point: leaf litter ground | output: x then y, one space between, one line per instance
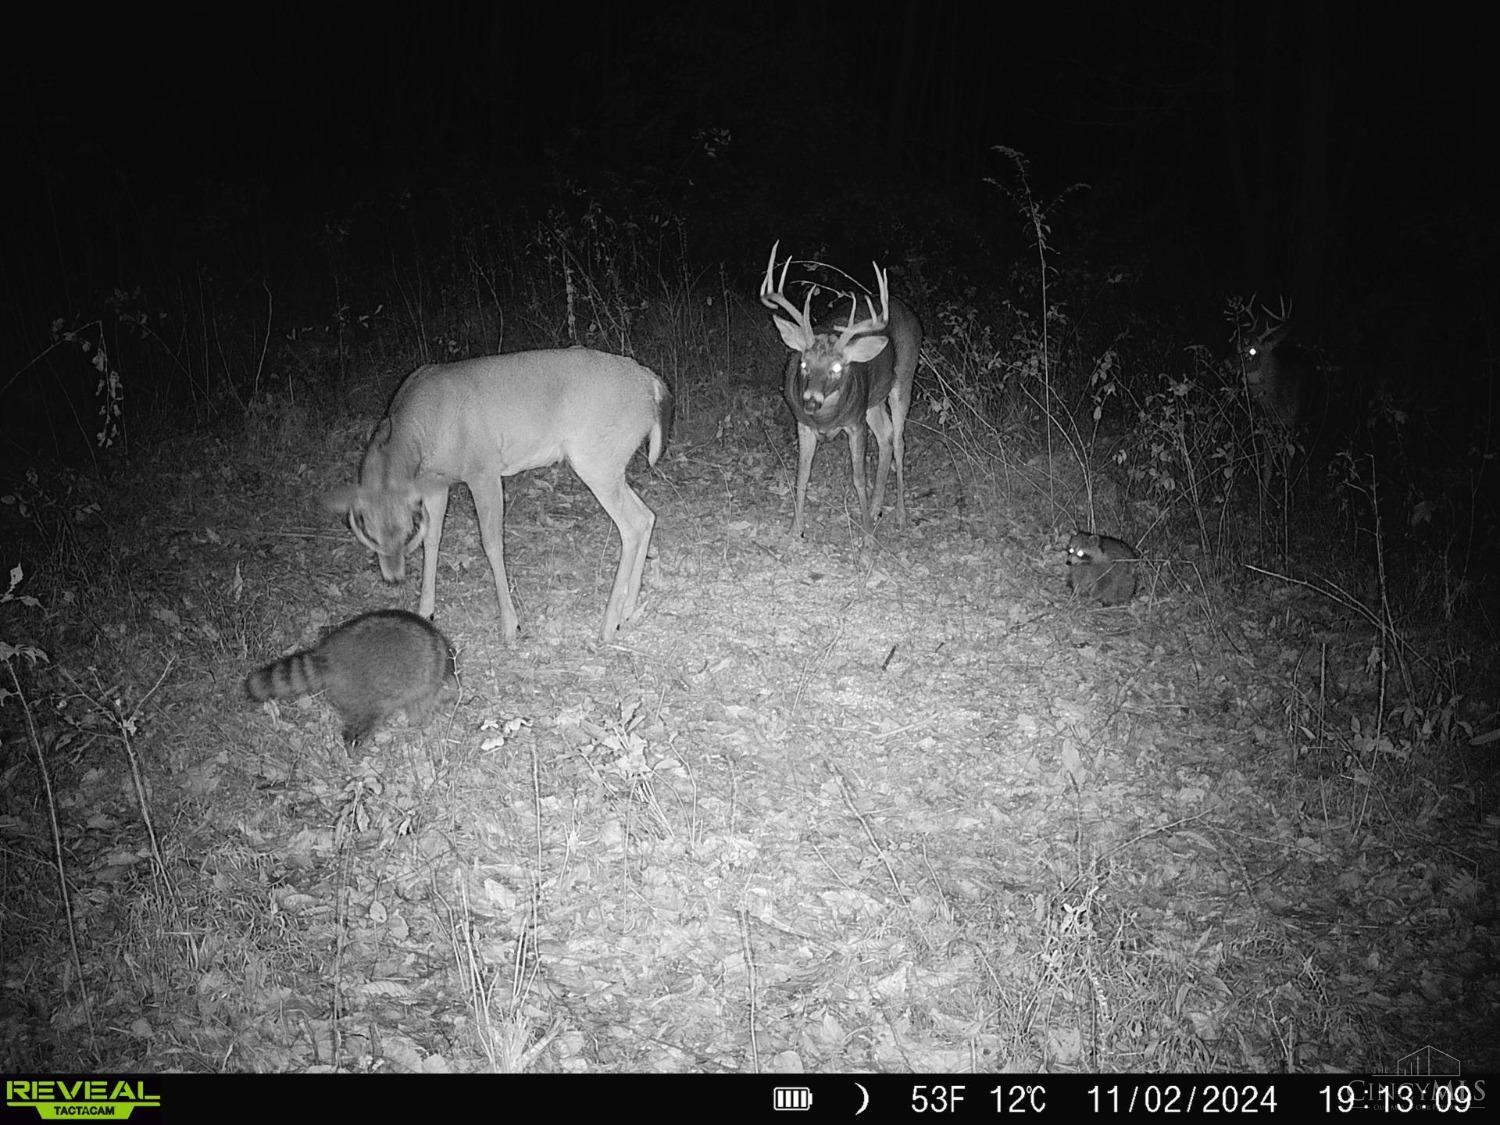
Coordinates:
817 810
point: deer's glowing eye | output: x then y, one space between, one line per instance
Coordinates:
837 367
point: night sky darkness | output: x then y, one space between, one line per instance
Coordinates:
1339 155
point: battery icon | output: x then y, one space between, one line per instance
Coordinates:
791 1097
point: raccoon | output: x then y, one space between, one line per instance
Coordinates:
367 668
1100 567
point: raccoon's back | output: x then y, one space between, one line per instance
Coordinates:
367 668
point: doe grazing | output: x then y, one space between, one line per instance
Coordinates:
480 420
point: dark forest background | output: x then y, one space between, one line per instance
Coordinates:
200 200
1333 154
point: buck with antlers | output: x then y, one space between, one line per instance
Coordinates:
1284 385
843 378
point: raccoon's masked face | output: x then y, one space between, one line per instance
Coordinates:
391 524
1082 548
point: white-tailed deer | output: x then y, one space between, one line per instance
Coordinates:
844 378
1282 382
482 420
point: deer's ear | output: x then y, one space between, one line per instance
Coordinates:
792 335
865 348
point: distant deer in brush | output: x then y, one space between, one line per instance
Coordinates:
1283 384
842 378
481 420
